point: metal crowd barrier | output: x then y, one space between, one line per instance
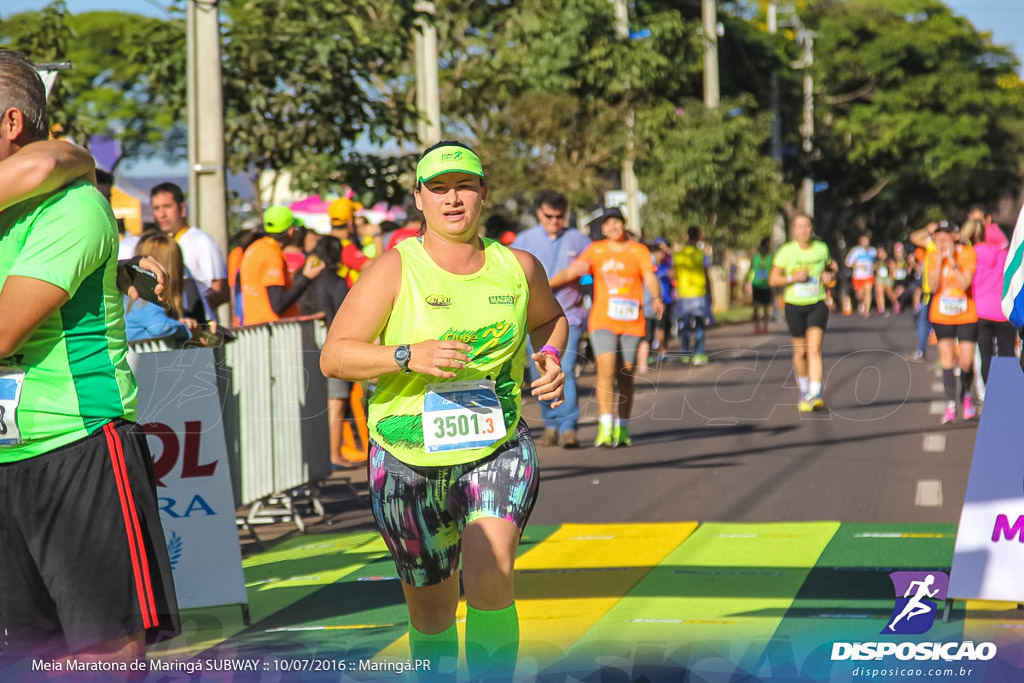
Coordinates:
274 402
152 345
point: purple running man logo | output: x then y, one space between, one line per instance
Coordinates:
917 598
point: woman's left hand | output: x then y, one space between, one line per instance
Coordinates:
551 382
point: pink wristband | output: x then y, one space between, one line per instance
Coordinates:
551 351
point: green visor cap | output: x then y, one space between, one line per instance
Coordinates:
448 159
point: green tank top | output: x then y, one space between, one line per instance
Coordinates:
486 310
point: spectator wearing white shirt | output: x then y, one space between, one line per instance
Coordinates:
203 257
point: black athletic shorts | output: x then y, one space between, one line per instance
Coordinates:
761 296
83 557
666 322
651 329
799 318
967 332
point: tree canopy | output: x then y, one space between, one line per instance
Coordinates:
108 89
917 114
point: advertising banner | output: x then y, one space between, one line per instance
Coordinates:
180 410
990 540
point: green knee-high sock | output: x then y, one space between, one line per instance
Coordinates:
441 650
492 643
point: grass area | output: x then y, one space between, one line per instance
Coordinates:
736 314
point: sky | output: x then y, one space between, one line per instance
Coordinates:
1003 18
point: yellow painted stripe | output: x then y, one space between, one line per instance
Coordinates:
729 584
606 545
570 580
991 621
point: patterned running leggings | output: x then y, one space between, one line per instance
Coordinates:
421 511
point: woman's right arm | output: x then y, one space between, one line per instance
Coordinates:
351 351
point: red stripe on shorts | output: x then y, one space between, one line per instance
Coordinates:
136 548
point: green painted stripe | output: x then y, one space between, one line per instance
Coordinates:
720 595
1012 269
392 640
285 587
849 597
572 580
325 595
891 545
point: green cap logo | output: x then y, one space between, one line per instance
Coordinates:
448 159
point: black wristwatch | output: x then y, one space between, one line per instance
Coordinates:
402 356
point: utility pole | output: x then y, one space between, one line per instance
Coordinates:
629 182
712 93
779 226
807 128
805 39
428 100
207 187
773 29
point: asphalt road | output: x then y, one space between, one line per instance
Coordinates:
725 442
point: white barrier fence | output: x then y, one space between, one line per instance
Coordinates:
273 402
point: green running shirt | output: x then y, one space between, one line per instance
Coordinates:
75 364
791 258
760 269
486 310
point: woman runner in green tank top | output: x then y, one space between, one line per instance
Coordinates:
804 268
451 468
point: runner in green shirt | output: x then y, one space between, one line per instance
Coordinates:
84 566
758 288
804 267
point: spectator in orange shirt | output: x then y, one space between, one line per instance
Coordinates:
268 291
242 239
953 314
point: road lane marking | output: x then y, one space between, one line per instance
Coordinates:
938 387
934 443
937 407
929 493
